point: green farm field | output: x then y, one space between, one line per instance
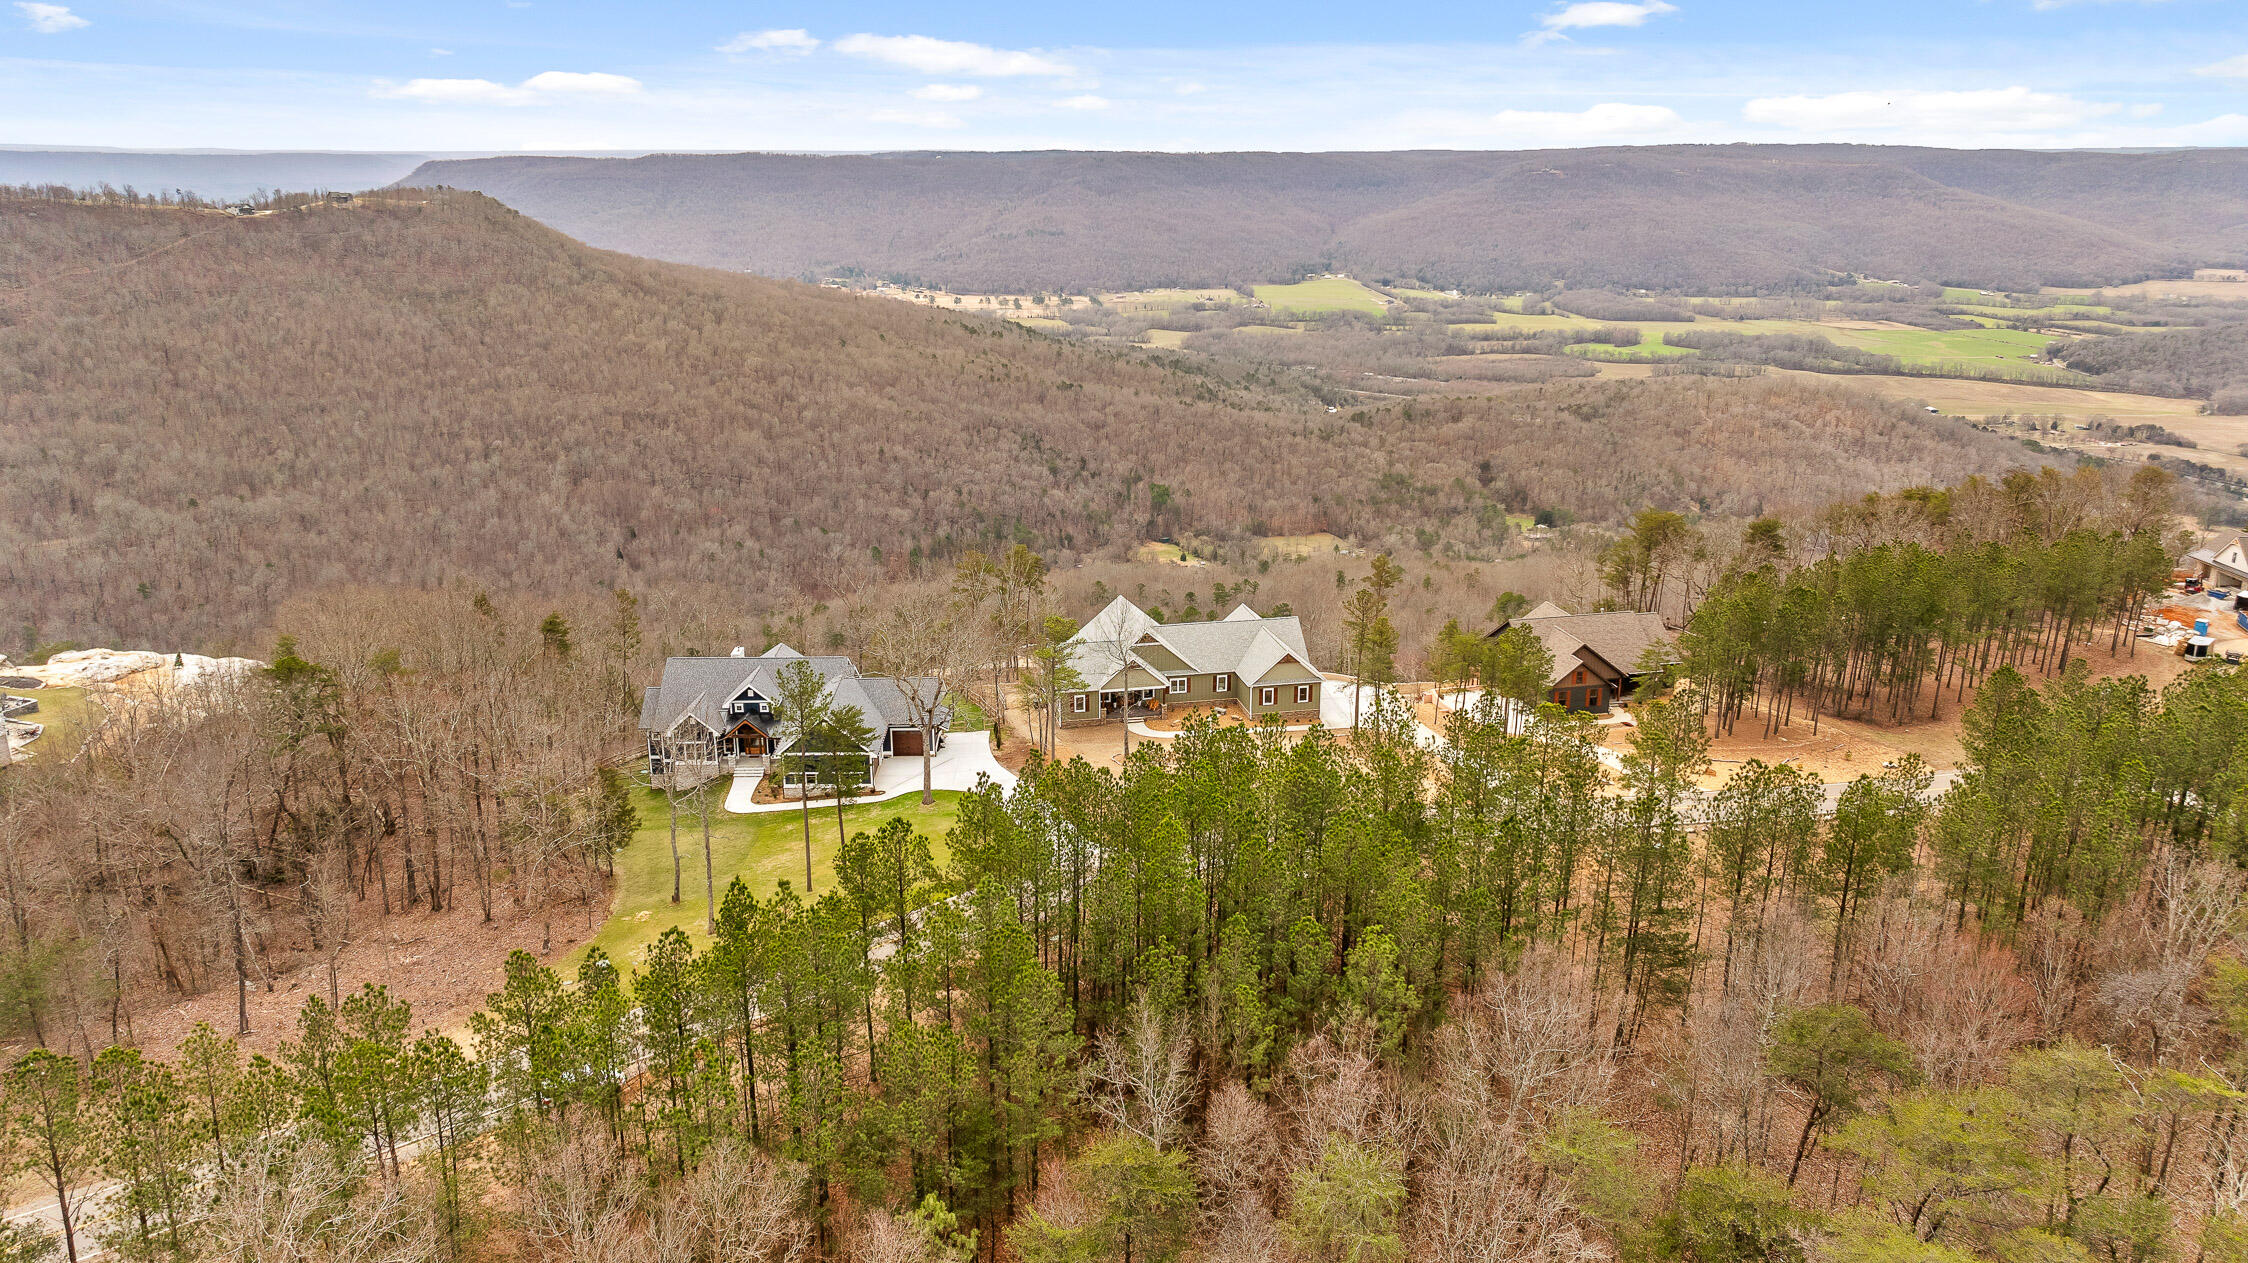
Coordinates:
1326 293
764 850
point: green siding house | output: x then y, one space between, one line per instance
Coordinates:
1133 666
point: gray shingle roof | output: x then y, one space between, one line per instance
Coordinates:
1239 644
1619 637
701 687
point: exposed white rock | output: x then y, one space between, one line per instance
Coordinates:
79 667
194 668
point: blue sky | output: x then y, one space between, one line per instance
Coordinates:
1156 74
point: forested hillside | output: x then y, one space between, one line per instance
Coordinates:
1691 218
2209 363
1247 995
203 416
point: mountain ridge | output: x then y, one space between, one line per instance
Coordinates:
1729 218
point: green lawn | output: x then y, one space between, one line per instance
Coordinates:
69 715
966 715
1327 293
764 850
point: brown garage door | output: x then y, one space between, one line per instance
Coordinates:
906 741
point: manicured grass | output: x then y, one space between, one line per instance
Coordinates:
1326 293
69 717
764 850
966 715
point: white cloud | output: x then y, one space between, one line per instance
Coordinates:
1190 88
49 19
547 86
917 118
796 41
1609 120
1978 111
948 92
440 52
587 84
2229 68
2145 109
933 56
1086 102
1595 13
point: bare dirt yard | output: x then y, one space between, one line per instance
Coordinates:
1841 749
442 964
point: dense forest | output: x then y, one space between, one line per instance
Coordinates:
1249 996
204 416
1691 219
2208 363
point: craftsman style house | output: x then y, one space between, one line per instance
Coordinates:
1596 657
716 715
2220 565
1131 665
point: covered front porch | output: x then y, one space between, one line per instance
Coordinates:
1138 703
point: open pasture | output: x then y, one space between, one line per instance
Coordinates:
1322 293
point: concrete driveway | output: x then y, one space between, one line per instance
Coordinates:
966 757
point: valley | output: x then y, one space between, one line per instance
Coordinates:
1611 705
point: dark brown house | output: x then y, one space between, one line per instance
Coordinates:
1596 657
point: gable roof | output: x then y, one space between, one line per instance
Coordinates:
2214 556
885 702
1241 643
699 688
1619 638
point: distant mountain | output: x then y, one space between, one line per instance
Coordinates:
203 417
1687 218
212 176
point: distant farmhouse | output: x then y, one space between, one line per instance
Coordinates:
711 716
1133 666
1596 657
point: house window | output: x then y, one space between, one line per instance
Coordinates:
1265 696
1077 703
1224 683
1179 683
1303 695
